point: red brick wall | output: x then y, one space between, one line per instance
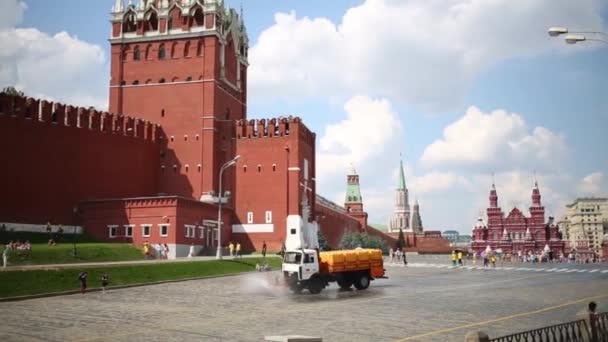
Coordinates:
50 167
334 224
264 181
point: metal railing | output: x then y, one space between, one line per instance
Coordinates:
576 331
599 327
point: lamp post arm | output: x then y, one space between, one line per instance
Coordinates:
598 40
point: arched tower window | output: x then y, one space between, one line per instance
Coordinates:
125 53
187 49
173 47
129 24
198 18
199 48
136 54
161 52
148 50
152 22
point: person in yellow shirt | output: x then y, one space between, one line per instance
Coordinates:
231 248
146 250
459 258
238 249
453 258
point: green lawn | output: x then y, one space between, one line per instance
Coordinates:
42 254
20 283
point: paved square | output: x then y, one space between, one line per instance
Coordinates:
426 301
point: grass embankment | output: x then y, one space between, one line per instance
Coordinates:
87 250
21 283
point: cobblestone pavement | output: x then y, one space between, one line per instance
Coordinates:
416 303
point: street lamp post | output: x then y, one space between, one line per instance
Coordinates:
219 207
573 37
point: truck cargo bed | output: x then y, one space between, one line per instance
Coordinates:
352 260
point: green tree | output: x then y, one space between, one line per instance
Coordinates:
323 245
354 240
401 240
12 91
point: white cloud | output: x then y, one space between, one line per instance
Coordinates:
495 140
437 182
422 52
11 13
59 67
592 185
370 125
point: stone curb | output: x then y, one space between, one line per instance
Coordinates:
118 287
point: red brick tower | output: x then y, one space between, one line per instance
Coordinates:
182 64
276 168
354 201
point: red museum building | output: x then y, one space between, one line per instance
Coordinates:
516 232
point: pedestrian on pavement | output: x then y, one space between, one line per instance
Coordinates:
159 250
105 280
82 278
146 250
454 258
191 251
264 249
459 258
404 259
5 254
238 250
166 250
493 260
485 260
391 255
49 228
231 248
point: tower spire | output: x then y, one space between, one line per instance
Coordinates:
402 185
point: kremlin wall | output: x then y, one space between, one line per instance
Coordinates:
150 170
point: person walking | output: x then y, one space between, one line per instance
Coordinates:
404 258
493 260
485 260
391 255
191 251
459 254
82 278
264 249
105 280
231 248
5 254
166 250
238 250
454 258
146 250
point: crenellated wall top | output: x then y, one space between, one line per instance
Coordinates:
61 115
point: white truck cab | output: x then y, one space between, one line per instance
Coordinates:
299 266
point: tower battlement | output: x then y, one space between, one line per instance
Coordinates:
55 113
269 128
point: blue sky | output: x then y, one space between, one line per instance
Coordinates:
462 88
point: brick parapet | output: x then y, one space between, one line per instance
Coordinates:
55 113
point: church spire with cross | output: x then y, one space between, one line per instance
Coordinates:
401 215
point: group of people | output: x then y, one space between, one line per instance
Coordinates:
397 255
158 250
54 238
235 250
82 279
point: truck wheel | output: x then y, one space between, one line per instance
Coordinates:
362 282
315 286
345 284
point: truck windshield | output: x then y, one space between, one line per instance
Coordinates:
293 258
